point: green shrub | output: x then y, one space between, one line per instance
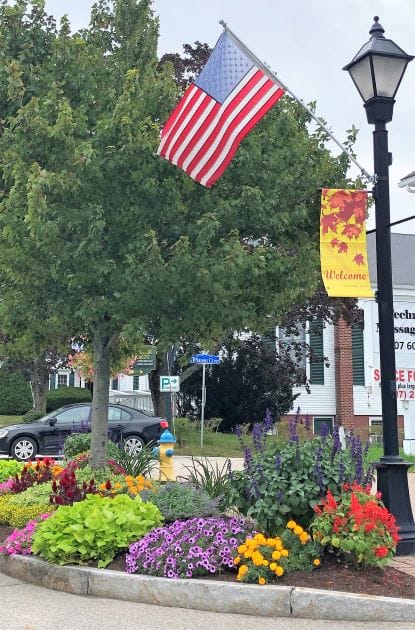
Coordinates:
15 394
32 416
284 483
81 442
56 398
181 500
9 468
94 530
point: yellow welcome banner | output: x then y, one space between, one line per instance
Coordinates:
343 252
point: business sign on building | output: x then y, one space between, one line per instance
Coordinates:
404 333
404 330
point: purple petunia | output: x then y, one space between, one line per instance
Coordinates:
216 538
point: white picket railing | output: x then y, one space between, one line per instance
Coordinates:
139 400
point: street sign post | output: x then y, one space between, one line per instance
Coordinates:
169 384
204 360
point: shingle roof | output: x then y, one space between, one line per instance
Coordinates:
410 176
403 258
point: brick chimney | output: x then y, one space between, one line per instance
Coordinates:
343 374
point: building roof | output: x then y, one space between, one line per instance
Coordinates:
407 180
403 258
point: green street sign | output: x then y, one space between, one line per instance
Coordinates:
144 363
169 383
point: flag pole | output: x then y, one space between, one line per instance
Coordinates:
276 79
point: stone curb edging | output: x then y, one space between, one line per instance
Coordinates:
209 595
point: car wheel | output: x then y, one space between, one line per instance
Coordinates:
133 445
23 449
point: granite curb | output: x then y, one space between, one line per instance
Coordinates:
209 595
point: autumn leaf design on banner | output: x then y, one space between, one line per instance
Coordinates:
343 251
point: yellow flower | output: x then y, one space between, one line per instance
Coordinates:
279 571
291 524
273 566
265 563
243 570
298 530
241 548
316 562
257 558
284 553
276 555
260 539
261 581
248 554
236 560
303 537
271 542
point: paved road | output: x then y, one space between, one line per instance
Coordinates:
28 607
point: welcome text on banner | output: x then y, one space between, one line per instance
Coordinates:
343 251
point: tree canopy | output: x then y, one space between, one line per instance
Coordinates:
109 234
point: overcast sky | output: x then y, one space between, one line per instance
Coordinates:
306 42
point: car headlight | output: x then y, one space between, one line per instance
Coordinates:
3 433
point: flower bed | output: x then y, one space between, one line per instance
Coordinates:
302 507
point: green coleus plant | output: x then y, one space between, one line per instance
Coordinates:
95 530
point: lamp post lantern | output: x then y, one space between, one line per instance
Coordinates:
377 70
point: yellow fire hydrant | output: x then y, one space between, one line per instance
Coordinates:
165 452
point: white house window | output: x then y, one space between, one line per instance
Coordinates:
376 430
136 382
295 344
376 421
320 421
62 380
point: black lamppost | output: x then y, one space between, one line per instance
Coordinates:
377 71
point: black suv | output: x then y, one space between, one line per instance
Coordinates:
128 427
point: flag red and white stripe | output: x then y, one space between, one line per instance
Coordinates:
203 133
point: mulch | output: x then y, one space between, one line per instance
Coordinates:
332 575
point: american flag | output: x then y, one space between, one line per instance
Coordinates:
217 111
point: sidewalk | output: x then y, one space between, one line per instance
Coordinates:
406 564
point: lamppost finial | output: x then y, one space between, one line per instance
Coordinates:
377 29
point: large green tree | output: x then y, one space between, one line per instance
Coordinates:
251 378
122 236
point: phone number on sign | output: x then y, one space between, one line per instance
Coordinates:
404 394
404 345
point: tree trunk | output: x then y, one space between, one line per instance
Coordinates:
99 424
39 378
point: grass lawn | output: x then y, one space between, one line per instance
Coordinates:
227 445
6 421
214 444
375 453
